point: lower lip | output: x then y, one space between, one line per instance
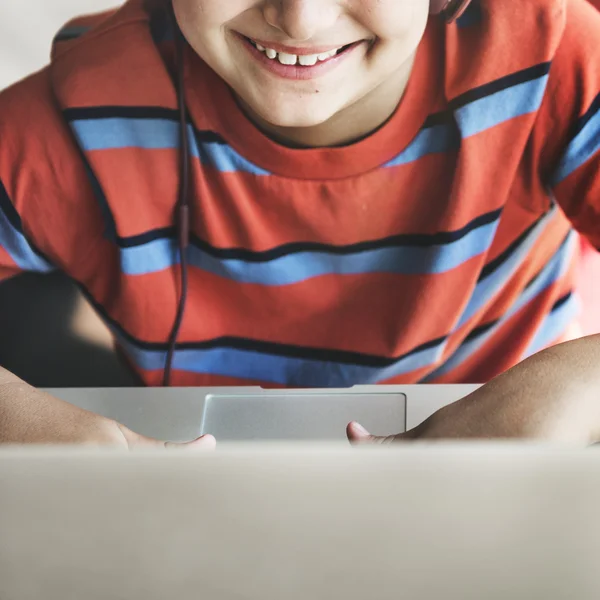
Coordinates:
298 72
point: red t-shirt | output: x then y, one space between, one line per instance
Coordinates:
441 248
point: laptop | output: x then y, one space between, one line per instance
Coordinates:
298 522
251 414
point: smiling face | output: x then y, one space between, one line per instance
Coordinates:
306 63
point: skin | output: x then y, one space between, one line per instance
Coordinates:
345 104
29 416
552 396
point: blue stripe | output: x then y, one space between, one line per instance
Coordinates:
552 272
149 258
294 268
432 140
554 325
488 112
281 370
19 249
116 133
157 134
491 285
582 148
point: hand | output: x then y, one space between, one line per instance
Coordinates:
133 441
553 396
30 416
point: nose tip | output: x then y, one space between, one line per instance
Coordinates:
300 20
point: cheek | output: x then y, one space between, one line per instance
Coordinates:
398 26
204 22
392 20
200 21
209 14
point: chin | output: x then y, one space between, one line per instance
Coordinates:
298 115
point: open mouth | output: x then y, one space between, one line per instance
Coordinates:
300 60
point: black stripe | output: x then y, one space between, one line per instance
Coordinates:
561 302
10 212
292 351
412 240
442 118
261 347
93 113
13 217
560 248
164 233
481 330
110 227
447 117
97 113
66 37
530 74
495 264
589 115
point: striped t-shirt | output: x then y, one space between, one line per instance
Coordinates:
439 249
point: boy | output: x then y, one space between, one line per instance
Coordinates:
367 191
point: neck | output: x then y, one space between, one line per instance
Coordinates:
347 126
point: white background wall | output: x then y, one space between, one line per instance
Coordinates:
27 28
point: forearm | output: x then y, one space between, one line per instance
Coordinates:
555 394
552 396
29 416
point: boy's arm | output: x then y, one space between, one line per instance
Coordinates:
29 416
552 396
42 188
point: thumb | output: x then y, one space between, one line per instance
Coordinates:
135 440
358 436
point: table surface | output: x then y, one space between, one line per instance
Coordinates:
179 414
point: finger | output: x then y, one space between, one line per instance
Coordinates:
358 435
206 442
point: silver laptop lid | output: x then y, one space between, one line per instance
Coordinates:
472 522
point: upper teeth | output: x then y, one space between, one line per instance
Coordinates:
306 60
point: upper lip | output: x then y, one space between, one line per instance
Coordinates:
298 50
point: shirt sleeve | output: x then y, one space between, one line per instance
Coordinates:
17 253
49 216
568 129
